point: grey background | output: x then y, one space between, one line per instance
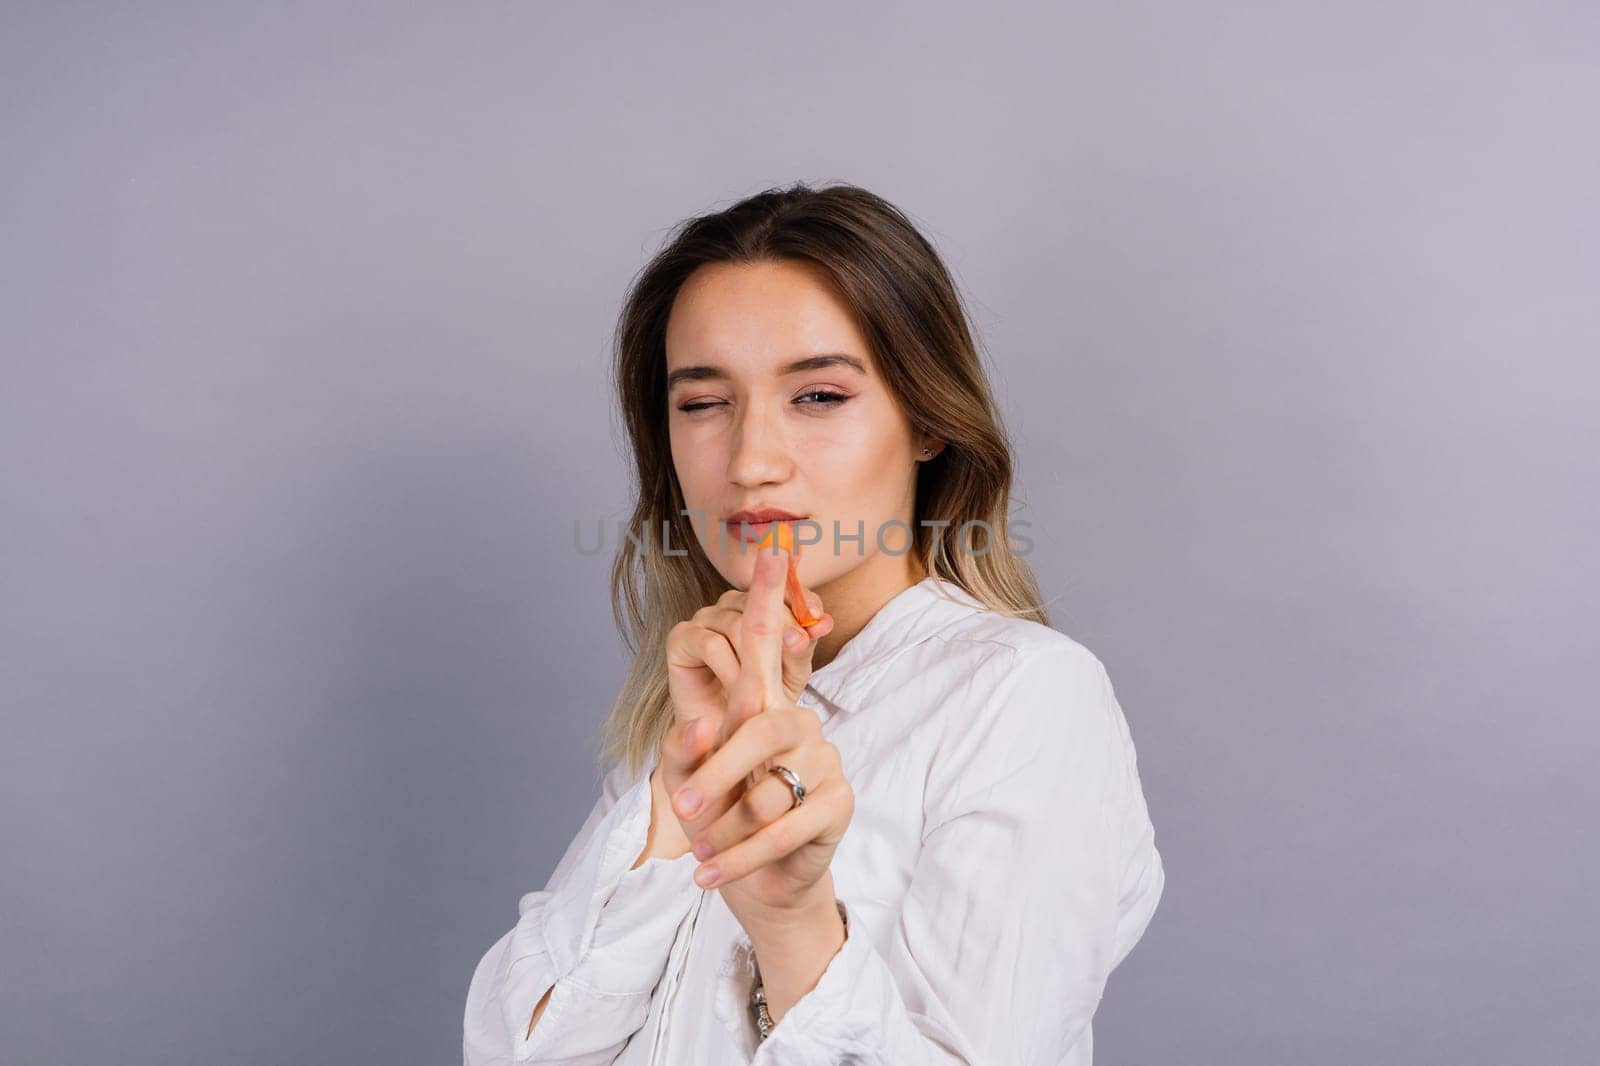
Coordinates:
304 318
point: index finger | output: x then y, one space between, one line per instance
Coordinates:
765 616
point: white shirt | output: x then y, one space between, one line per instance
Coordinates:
1000 863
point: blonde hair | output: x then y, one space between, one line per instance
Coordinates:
907 307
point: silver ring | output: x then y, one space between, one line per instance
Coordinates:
795 786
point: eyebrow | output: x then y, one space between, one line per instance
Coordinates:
810 362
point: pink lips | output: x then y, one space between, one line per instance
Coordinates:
757 521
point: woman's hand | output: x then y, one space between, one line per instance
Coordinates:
703 656
770 861
703 663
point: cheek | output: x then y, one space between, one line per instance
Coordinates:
863 467
700 469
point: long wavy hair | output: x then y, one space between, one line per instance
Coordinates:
907 307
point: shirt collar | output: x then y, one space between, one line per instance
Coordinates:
909 617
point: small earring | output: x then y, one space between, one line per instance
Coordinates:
927 451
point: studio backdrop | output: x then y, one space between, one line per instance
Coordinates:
305 317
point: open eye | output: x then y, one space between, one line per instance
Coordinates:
824 398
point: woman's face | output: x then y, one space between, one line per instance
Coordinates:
773 402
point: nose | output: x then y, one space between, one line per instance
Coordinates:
760 451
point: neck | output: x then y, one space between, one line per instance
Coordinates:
856 596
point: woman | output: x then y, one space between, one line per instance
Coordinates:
911 831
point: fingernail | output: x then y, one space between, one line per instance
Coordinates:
793 638
706 876
702 850
688 801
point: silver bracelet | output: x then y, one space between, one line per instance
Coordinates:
758 995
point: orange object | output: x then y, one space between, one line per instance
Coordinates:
784 536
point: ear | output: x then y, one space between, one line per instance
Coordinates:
928 446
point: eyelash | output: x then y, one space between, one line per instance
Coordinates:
828 399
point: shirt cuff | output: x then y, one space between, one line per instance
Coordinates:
636 927
604 933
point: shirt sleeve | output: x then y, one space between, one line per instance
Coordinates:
1038 874
599 932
